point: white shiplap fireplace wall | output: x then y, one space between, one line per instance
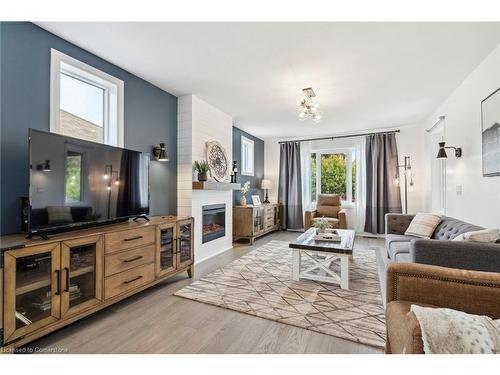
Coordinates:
197 123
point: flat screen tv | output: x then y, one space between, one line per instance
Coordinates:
76 183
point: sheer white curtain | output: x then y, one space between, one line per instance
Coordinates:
360 205
305 161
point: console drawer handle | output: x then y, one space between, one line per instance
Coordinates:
134 279
132 259
133 238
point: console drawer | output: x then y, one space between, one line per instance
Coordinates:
127 239
128 280
125 260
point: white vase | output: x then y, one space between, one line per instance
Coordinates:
243 201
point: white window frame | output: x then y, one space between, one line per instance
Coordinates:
245 171
112 87
348 153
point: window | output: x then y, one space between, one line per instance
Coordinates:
86 103
334 172
246 156
73 177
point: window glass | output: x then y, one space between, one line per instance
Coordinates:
333 174
81 109
247 156
313 177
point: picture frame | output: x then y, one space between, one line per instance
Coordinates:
490 134
256 200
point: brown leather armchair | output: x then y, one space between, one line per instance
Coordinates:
328 207
473 292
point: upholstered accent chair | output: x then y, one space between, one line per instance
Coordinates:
473 292
328 207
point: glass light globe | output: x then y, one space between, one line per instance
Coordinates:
396 180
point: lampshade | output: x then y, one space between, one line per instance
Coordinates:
160 152
442 152
266 184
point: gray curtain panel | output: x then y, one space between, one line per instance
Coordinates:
382 194
290 186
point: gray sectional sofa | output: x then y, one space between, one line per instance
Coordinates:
440 250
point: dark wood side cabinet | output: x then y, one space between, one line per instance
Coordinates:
250 222
46 285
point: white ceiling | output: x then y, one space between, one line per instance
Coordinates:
365 75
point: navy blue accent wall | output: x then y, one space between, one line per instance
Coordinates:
258 165
150 115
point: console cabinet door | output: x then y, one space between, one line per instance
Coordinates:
185 240
32 289
82 274
166 260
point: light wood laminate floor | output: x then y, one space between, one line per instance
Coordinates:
156 321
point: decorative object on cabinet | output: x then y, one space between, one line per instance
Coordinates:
256 200
234 173
160 153
217 161
250 222
50 284
490 130
244 190
202 168
266 185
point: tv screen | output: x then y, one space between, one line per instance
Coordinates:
76 183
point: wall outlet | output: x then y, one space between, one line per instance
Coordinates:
459 189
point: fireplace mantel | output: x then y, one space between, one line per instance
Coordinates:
214 185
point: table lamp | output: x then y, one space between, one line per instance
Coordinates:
266 184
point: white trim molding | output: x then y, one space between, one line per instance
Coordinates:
113 87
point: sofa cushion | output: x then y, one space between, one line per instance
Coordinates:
328 211
328 200
396 248
484 235
449 228
403 330
333 221
423 225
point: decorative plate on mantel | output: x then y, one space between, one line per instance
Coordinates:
217 161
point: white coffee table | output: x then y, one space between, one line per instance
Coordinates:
322 254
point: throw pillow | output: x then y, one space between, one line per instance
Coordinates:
423 225
483 235
59 214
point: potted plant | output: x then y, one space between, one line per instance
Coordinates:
321 225
244 190
202 168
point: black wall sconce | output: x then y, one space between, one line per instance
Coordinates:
45 167
159 152
442 151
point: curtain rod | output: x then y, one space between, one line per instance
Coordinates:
341 136
441 118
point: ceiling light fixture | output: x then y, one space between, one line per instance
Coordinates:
307 109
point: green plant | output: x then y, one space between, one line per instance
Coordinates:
322 224
200 166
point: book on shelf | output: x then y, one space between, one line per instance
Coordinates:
22 318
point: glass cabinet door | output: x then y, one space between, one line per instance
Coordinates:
81 264
32 289
185 242
165 255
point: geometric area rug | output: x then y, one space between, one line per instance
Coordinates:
260 284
